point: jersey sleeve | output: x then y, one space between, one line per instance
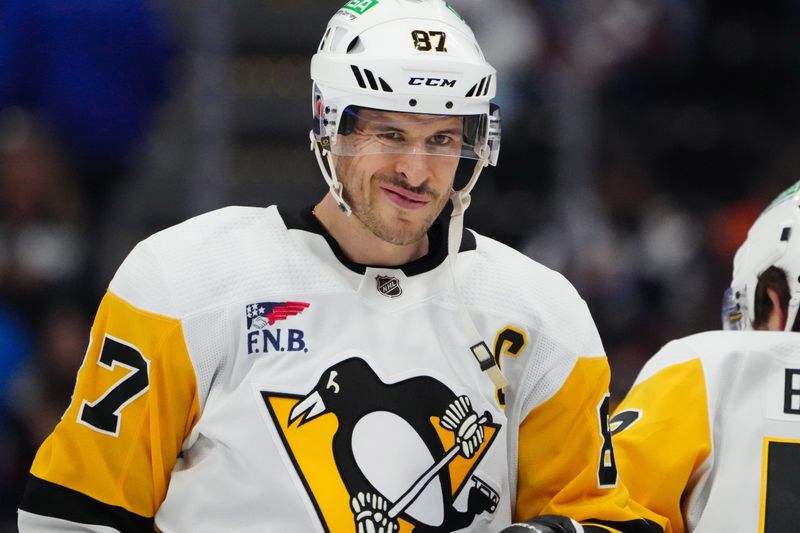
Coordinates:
566 458
662 435
108 461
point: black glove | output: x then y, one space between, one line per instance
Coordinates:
549 523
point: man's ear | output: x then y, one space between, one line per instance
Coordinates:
777 317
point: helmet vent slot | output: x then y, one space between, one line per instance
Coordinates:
385 86
355 46
324 39
480 86
339 34
359 78
785 234
375 83
371 79
480 89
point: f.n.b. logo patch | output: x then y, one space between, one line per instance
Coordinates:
263 314
262 338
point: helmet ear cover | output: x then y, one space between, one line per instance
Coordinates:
348 120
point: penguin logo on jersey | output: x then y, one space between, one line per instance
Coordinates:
389 286
389 457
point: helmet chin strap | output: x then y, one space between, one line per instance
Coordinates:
461 200
791 312
329 173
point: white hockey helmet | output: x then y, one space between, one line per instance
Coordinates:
773 240
413 56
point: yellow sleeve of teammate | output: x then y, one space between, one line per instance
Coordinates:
109 460
566 458
661 436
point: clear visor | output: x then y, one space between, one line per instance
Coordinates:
733 318
368 131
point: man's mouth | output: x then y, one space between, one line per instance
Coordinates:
403 197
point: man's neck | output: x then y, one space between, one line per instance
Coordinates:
359 244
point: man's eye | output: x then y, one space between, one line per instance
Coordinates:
441 140
391 136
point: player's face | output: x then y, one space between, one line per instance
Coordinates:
404 179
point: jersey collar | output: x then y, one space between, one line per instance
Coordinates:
303 219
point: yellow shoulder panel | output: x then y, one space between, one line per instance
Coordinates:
134 403
666 438
566 459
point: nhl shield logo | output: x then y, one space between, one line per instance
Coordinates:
389 286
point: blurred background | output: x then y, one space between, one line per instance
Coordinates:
641 139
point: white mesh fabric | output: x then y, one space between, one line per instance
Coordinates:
547 369
193 270
511 284
231 254
546 302
140 282
207 340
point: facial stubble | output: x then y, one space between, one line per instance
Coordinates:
395 230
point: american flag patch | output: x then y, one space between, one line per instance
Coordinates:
263 314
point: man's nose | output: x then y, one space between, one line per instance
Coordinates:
415 166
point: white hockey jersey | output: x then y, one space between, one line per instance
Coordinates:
244 376
709 435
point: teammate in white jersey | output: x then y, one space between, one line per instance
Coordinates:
709 435
339 369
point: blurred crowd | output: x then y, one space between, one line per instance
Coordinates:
80 84
641 138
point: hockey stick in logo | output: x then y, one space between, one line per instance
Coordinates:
411 494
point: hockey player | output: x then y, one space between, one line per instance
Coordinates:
338 369
709 435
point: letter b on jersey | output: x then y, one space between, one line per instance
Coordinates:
791 392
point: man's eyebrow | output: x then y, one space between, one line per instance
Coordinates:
458 131
393 126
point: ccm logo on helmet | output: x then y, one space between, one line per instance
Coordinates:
432 82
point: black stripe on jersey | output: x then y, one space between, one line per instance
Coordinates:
630 526
305 220
48 499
